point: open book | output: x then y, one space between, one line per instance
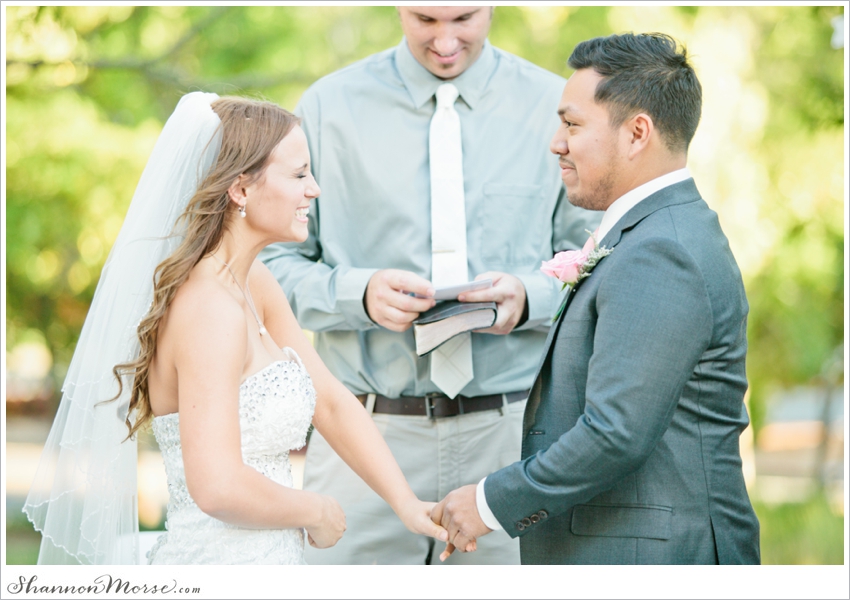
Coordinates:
447 319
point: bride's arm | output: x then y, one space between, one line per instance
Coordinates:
209 355
340 417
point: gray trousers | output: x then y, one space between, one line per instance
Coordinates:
436 457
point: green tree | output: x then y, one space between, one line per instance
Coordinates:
88 88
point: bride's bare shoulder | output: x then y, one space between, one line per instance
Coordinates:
203 311
266 288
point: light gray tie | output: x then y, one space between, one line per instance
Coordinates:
451 363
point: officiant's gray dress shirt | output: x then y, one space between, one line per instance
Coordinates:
367 128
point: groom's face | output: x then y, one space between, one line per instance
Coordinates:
586 144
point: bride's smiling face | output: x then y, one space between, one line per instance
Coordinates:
279 202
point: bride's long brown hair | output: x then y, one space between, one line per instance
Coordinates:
250 131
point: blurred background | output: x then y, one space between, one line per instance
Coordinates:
89 88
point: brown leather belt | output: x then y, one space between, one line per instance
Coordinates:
439 405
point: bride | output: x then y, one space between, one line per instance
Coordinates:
192 335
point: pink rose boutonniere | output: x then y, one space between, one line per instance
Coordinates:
572 266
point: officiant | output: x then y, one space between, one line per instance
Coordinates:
434 166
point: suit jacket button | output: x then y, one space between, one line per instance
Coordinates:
542 514
526 521
535 518
520 526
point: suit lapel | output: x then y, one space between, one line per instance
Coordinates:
678 193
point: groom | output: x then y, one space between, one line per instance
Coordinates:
630 443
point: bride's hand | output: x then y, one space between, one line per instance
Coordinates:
416 516
330 524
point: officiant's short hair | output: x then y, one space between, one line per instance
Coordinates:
647 72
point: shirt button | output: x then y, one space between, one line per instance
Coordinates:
542 514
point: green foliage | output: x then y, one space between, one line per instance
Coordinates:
801 534
797 297
546 35
22 547
88 88
22 540
803 74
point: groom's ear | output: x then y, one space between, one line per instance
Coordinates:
639 130
237 192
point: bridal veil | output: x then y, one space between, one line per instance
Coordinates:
84 497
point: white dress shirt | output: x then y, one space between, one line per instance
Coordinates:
612 215
630 199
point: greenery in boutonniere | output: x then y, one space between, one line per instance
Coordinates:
572 266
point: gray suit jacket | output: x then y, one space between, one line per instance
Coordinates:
630 448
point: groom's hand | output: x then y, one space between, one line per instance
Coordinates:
388 300
458 514
508 293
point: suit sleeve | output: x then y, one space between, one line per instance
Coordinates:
653 323
323 297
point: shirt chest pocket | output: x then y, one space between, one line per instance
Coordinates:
513 220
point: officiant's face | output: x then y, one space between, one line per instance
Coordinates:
587 146
446 40
280 200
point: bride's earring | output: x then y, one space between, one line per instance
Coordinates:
242 211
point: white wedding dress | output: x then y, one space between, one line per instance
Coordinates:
275 410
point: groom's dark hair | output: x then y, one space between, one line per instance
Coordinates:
645 73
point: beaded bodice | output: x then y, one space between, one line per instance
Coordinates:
275 410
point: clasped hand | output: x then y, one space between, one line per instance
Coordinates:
458 514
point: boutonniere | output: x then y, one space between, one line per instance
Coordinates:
572 266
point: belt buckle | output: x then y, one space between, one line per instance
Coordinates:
429 409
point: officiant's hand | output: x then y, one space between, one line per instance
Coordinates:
388 301
329 524
458 513
508 293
